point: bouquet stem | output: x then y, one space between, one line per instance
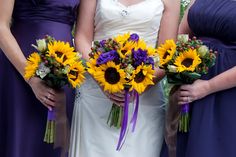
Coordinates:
50 128
115 116
184 118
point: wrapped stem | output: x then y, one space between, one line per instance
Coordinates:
184 118
50 128
124 121
115 116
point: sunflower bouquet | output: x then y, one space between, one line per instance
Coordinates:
57 64
123 63
184 62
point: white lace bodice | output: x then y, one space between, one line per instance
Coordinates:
111 16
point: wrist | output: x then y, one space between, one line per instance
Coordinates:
210 86
30 80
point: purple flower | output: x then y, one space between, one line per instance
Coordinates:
107 56
102 43
140 56
100 49
134 37
150 61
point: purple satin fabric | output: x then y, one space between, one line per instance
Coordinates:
124 122
185 108
22 116
135 114
51 115
212 125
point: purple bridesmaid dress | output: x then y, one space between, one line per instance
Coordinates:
22 116
213 127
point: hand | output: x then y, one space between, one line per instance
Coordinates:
189 93
119 98
46 95
116 98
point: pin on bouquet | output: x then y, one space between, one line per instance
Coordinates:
184 62
123 63
58 65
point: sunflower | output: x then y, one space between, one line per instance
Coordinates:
187 61
76 74
92 63
151 51
126 49
141 44
32 65
111 77
166 52
62 52
143 76
121 39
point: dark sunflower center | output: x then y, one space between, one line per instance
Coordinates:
166 54
139 77
112 76
187 62
64 59
59 54
75 73
123 51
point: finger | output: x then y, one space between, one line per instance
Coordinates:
181 103
43 101
185 87
183 93
49 102
51 91
118 103
116 98
51 97
121 95
183 99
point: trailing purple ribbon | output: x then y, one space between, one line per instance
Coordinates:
135 114
51 115
185 108
124 121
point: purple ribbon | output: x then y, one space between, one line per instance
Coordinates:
185 108
51 115
124 121
135 114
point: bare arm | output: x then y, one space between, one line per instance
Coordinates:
223 81
184 27
169 26
7 41
85 27
202 88
170 21
11 49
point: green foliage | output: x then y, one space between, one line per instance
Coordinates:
183 7
166 85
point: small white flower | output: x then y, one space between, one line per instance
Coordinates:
156 60
66 69
42 71
203 50
129 69
41 45
183 38
172 68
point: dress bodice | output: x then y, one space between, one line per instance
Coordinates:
214 19
63 11
113 18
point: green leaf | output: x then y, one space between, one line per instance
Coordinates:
192 75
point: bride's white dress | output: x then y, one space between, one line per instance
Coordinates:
91 136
